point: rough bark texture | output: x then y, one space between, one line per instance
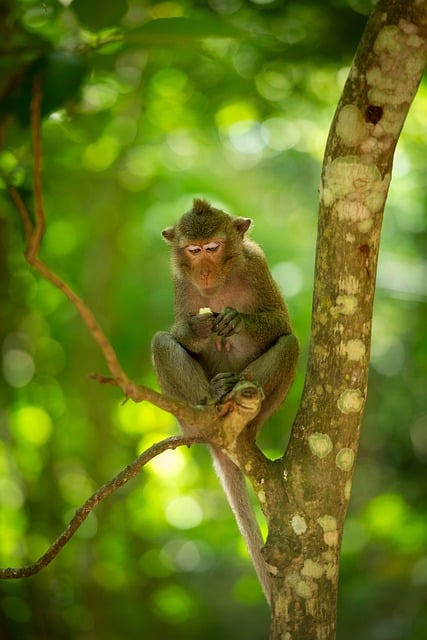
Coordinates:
316 473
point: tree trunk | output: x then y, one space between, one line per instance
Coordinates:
316 472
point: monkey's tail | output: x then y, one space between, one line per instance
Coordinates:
233 483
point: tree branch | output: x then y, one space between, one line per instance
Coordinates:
103 492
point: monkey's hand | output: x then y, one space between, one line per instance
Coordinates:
201 324
228 322
221 385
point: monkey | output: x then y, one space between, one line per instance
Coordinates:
242 329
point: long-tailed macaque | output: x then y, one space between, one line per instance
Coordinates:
230 320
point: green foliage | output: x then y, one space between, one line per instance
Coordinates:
147 105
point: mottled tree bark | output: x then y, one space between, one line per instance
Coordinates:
307 515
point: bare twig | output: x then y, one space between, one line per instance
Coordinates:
103 492
36 102
33 235
24 213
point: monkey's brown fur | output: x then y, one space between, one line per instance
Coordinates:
215 265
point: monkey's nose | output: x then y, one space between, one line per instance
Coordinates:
205 271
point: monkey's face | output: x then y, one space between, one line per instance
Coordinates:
205 264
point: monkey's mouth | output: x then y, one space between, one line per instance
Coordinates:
207 292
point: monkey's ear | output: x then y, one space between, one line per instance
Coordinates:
242 225
169 234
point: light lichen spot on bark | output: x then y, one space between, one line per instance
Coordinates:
330 571
350 401
354 349
347 490
351 126
355 211
403 45
331 538
320 444
298 524
345 305
345 459
292 578
330 531
328 523
303 590
261 496
354 181
272 569
349 284
328 557
312 569
388 41
365 225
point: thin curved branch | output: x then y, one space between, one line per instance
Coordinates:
103 492
33 235
38 231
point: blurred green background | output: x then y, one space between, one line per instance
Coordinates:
147 105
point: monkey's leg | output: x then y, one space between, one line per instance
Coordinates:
274 370
179 375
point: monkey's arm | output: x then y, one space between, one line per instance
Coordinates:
193 331
262 315
262 327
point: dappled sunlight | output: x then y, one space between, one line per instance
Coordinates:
18 367
403 276
389 517
289 277
145 418
170 466
31 425
187 555
174 603
184 512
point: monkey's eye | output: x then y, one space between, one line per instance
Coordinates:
211 246
193 249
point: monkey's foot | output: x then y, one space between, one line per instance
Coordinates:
221 385
235 411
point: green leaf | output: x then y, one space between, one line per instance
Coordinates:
91 15
61 75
